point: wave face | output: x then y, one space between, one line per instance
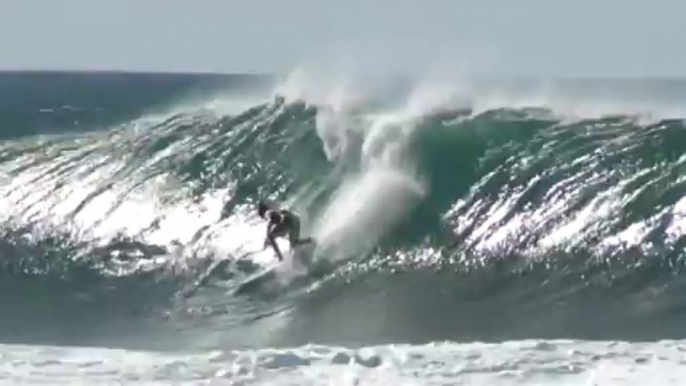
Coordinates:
443 210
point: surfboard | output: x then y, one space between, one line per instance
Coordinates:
300 255
257 279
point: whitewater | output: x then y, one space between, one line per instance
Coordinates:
469 231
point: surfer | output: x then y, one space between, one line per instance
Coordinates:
282 222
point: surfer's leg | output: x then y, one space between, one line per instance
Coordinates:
294 235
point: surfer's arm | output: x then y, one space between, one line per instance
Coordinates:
268 236
269 240
275 246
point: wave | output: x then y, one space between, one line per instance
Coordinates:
521 208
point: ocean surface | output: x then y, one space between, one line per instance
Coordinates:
469 231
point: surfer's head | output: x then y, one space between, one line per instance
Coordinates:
262 208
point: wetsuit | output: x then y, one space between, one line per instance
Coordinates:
281 223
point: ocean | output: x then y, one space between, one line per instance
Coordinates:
469 231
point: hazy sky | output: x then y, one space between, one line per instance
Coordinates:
521 37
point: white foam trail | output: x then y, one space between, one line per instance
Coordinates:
558 362
364 208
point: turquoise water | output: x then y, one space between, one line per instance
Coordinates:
498 211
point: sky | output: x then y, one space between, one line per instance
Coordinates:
485 37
